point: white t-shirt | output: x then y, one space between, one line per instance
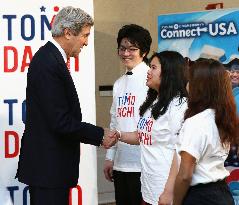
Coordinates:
157 142
129 93
200 138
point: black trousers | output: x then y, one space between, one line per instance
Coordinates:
49 196
127 188
214 193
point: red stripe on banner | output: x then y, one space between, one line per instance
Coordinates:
234 176
79 190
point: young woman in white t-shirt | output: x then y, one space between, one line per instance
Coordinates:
161 117
210 126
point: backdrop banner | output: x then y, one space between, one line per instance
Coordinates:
207 34
25 26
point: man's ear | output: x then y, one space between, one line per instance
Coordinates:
67 33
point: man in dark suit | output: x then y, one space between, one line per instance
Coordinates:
50 146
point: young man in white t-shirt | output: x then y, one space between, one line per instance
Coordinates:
122 164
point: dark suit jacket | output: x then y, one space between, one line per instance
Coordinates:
50 146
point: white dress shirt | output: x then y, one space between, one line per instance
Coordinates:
63 53
200 138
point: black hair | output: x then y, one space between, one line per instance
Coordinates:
138 36
232 65
173 83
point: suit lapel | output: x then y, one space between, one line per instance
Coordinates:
57 54
54 50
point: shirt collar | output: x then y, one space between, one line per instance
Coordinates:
63 53
136 69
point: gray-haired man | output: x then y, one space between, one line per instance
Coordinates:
50 147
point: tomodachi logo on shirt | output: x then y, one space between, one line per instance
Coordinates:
145 130
125 105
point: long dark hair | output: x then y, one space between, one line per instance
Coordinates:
210 87
173 83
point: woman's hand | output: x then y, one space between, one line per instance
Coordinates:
166 198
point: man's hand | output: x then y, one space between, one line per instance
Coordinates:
108 170
110 138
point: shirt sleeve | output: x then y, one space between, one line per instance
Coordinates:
49 90
192 140
176 117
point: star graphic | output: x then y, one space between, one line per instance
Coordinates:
43 9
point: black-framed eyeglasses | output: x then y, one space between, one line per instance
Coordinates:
130 49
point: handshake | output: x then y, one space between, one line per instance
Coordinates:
111 137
